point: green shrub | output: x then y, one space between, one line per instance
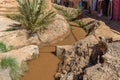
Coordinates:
14 17
65 13
34 56
4 48
83 25
24 67
69 13
33 16
11 63
11 29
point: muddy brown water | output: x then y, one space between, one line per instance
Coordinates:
45 66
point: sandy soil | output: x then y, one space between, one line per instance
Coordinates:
45 66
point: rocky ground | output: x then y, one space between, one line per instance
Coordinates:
96 57
8 7
24 46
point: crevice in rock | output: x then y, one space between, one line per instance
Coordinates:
98 51
96 57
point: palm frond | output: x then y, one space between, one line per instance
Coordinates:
33 16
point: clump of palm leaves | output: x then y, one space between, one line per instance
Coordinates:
33 16
84 26
4 48
11 29
11 63
69 16
70 13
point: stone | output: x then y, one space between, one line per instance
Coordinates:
4 74
22 54
86 59
60 50
6 23
56 29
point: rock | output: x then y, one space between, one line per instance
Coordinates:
48 5
60 50
56 29
22 54
96 57
4 74
8 7
6 23
102 30
109 70
18 38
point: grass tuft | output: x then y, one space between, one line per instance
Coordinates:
11 63
4 48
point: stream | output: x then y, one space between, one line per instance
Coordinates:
45 66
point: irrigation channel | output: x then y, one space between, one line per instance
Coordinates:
45 66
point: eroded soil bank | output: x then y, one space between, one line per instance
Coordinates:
45 66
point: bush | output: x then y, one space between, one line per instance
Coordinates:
11 29
23 67
70 13
3 47
11 63
33 16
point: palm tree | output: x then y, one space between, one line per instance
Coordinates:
33 16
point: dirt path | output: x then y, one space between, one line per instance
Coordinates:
45 66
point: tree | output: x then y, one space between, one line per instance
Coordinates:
35 15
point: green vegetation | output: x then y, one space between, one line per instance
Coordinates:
34 56
11 63
16 17
84 26
65 13
70 15
33 16
11 29
24 67
4 48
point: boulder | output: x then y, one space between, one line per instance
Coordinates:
4 74
22 54
96 57
60 50
110 69
58 28
54 31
